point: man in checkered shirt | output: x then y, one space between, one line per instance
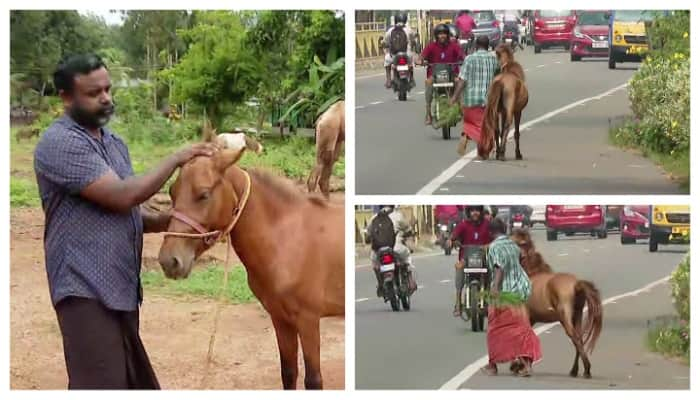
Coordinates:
94 228
476 74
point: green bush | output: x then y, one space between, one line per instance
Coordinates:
660 96
674 339
134 103
680 289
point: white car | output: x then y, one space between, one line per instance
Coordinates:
538 215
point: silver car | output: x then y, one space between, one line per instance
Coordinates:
487 24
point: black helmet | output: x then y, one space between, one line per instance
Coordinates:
454 32
400 18
480 209
442 28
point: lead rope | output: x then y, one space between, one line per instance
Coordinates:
237 214
227 266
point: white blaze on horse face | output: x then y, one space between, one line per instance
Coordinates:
235 141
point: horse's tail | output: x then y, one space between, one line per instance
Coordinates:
488 126
587 294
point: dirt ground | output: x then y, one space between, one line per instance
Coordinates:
175 331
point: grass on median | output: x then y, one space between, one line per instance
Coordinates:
204 283
677 165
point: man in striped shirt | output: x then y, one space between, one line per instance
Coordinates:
475 76
510 337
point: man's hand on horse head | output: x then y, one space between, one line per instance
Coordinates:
198 149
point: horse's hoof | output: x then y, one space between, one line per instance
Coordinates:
519 157
573 374
587 375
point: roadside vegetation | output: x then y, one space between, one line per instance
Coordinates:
660 96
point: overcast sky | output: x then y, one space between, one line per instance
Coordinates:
110 18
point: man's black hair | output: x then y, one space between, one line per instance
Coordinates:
482 42
497 227
71 66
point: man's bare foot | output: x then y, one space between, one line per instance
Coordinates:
462 146
490 370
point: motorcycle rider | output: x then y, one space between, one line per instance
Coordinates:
402 252
472 231
442 50
465 23
511 22
446 216
400 21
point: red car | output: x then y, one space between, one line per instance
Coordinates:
553 28
575 219
590 35
634 224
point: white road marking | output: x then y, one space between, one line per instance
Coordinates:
557 62
444 189
422 92
471 369
359 107
563 254
361 300
445 281
374 103
540 66
359 78
457 166
414 257
526 69
459 176
420 286
635 166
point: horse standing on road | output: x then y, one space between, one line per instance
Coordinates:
561 297
507 98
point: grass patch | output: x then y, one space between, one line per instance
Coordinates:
23 193
203 283
293 157
677 164
671 340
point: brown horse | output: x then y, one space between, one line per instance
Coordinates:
330 136
291 244
507 98
561 297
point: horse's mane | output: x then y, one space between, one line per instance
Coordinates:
284 189
530 259
513 67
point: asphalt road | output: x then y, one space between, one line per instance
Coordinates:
427 347
564 138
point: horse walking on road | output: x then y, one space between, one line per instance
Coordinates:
561 297
507 98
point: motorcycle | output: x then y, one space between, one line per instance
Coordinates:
443 88
444 234
476 280
518 221
511 36
403 70
395 278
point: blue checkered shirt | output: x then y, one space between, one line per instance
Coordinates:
90 251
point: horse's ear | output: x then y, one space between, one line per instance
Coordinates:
227 157
208 133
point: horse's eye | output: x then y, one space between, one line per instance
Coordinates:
204 196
